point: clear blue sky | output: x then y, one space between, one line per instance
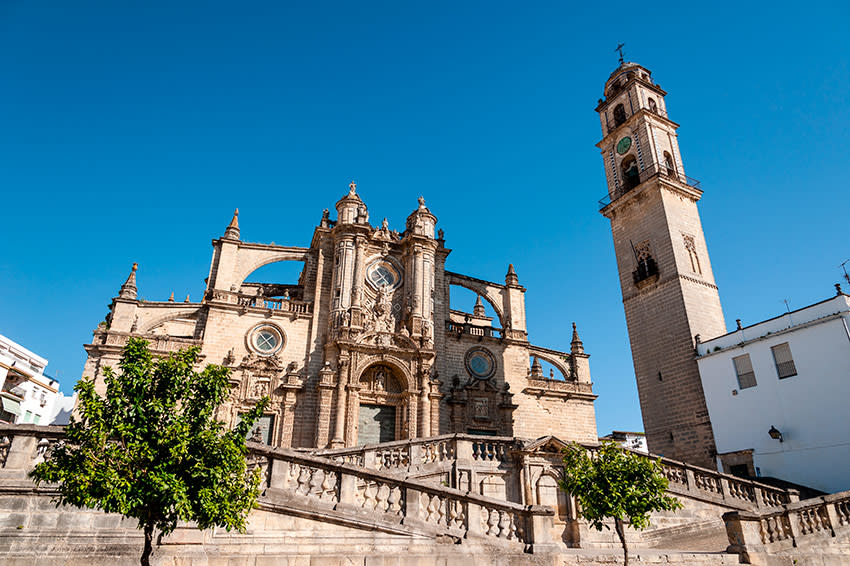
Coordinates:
129 131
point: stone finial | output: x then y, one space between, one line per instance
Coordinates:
187 298
352 188
421 200
738 322
478 309
536 367
128 289
511 277
576 345
838 289
171 298
232 230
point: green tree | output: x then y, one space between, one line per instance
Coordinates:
613 483
151 448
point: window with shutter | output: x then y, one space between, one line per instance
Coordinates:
784 362
744 371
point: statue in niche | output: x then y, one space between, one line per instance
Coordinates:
260 389
233 395
382 311
380 381
480 408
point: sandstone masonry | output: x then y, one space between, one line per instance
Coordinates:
365 346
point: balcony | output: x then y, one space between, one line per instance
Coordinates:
646 268
654 170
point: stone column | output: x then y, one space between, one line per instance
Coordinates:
357 285
288 410
341 398
424 406
352 414
325 399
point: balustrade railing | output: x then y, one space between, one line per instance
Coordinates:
22 446
693 481
820 520
260 302
654 169
461 328
296 482
406 454
157 342
437 509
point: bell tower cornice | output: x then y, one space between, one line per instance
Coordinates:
641 114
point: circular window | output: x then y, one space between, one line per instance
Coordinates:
480 363
266 339
382 273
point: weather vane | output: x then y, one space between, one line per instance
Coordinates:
619 49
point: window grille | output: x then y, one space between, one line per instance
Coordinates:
784 362
744 371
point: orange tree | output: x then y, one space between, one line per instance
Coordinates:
613 483
151 448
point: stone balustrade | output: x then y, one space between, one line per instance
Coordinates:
404 455
390 500
295 482
731 491
259 302
158 343
685 479
819 521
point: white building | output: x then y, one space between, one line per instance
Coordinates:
631 440
777 394
27 395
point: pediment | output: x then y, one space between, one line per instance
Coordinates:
546 444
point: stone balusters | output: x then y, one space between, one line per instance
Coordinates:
818 521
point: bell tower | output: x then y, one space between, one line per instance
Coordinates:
669 293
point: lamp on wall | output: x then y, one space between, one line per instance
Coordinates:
775 433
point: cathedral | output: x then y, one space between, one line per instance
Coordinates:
365 347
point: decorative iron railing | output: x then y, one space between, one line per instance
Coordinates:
653 170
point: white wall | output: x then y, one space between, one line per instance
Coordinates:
810 409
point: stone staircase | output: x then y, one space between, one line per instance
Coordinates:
420 499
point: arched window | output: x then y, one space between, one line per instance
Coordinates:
631 175
653 107
619 114
669 164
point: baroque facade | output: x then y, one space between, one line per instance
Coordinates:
365 347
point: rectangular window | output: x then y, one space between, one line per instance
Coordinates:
36 419
27 416
784 362
744 371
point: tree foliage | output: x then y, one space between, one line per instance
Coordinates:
613 483
151 448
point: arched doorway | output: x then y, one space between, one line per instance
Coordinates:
383 402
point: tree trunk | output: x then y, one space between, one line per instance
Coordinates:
618 526
146 555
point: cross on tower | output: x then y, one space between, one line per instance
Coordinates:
619 49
